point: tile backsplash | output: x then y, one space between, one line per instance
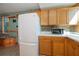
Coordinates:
48 28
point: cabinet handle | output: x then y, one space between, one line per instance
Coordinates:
73 47
78 45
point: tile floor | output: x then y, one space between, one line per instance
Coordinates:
10 51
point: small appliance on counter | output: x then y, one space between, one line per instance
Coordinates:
57 31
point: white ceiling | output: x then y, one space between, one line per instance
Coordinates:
17 7
6 8
55 5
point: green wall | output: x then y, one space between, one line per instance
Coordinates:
12 26
0 24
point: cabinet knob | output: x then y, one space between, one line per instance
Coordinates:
78 45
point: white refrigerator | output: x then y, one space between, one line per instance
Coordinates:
28 32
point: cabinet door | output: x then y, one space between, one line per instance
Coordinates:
52 17
44 17
62 16
70 51
70 47
77 49
39 13
58 46
44 46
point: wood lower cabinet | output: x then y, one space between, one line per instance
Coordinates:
77 50
45 46
51 46
76 47
69 47
58 46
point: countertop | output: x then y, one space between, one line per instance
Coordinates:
44 33
72 35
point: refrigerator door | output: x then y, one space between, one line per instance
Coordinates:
28 28
28 49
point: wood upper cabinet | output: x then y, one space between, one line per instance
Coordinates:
58 48
52 17
44 45
39 13
58 16
44 17
62 16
